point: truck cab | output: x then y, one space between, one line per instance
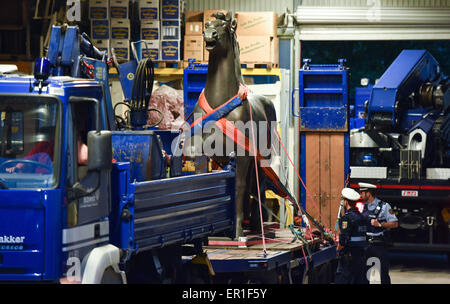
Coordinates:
42 129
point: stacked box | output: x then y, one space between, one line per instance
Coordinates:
149 49
193 47
119 9
257 34
258 49
98 9
193 39
120 29
170 50
99 19
148 9
171 9
121 49
102 45
100 29
170 30
150 30
171 14
193 29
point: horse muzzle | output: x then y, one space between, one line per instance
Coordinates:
211 37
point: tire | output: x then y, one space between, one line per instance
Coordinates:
111 277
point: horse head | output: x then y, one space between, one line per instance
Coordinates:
219 34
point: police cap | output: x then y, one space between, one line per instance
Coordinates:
350 194
366 186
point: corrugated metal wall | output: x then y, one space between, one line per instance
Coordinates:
387 3
278 6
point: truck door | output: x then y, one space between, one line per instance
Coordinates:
94 206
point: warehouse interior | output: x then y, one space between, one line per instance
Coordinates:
357 91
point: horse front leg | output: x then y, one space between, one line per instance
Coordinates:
242 189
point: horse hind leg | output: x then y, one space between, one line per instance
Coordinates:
255 219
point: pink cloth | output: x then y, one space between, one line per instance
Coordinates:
170 102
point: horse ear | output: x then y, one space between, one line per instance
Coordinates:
233 25
229 16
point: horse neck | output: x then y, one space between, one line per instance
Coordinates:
222 83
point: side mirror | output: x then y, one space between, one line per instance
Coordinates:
99 150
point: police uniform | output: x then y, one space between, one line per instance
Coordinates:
352 237
378 237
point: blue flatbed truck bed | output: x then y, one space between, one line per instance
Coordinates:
284 262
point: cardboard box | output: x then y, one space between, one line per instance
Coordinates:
193 47
148 9
119 9
98 9
120 29
121 49
170 50
171 30
254 49
207 15
100 29
193 29
150 30
171 9
193 16
102 45
256 24
149 49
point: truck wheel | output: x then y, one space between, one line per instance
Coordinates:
111 277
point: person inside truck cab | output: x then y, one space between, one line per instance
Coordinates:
42 152
82 148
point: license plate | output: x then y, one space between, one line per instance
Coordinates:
410 193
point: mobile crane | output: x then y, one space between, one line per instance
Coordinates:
403 147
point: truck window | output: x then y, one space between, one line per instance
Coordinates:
11 128
28 128
83 115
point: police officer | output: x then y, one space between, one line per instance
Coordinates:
380 218
352 242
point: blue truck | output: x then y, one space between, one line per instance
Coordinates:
126 214
53 213
60 218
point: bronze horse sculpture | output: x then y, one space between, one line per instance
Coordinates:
224 81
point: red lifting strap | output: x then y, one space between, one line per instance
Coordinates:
238 137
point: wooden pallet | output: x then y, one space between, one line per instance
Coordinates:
259 65
169 64
275 239
220 254
245 65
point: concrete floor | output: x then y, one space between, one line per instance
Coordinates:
408 268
